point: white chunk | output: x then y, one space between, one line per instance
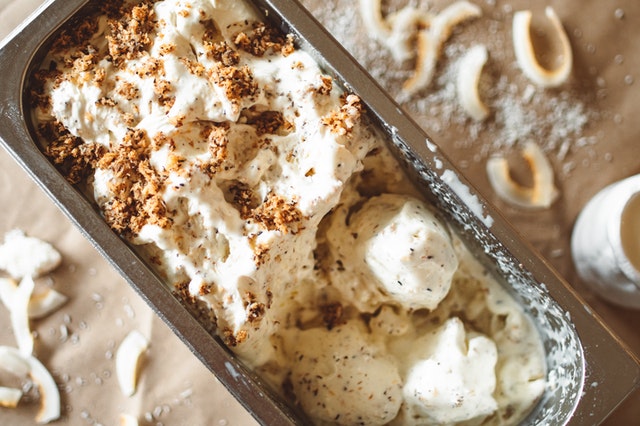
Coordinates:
20 315
13 362
404 24
397 30
8 288
540 195
467 83
128 420
23 256
49 393
430 42
9 397
45 303
456 380
127 361
526 56
343 373
406 248
375 25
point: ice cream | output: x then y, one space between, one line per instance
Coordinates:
265 198
392 250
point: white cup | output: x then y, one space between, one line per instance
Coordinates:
605 243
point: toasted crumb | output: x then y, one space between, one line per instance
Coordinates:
265 122
223 53
218 142
128 90
342 121
194 67
238 83
75 35
137 187
38 97
152 67
332 315
129 36
74 158
167 48
277 213
263 39
261 254
164 91
325 86
232 339
255 309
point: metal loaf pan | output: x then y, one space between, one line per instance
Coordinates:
589 371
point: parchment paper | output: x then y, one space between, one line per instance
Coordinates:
78 342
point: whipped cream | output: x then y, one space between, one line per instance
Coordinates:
265 198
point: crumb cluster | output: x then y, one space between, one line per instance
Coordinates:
137 185
129 58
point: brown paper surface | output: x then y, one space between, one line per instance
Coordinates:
174 388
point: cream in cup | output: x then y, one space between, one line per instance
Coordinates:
606 243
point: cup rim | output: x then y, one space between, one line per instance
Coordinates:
623 190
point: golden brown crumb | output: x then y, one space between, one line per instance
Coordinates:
75 159
326 85
278 214
222 52
105 101
99 75
129 119
128 90
129 36
85 61
238 83
289 46
255 309
194 67
218 142
232 339
260 254
76 34
332 315
342 121
265 122
264 39
161 139
242 198
151 67
137 187
167 48
37 95
163 89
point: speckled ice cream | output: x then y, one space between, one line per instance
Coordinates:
256 188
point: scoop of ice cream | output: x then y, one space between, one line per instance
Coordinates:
404 250
455 380
343 376
23 256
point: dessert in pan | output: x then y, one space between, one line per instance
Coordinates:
334 253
